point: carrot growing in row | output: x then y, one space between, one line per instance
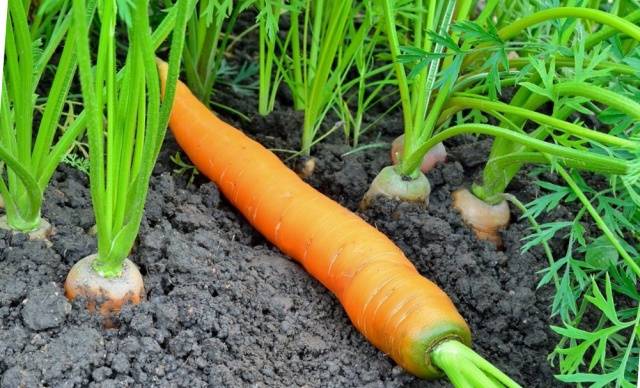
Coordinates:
421 106
28 147
315 56
389 302
124 146
479 59
484 206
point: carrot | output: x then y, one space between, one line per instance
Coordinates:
434 156
486 220
106 294
389 302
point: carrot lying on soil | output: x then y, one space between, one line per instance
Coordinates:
389 302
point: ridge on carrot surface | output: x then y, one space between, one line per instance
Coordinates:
389 302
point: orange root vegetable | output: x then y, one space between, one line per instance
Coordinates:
44 231
486 220
106 294
390 184
390 303
437 154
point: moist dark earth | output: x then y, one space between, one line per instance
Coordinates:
225 308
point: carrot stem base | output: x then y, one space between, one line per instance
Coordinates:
390 183
39 231
465 368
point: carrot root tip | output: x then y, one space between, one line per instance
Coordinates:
106 294
41 233
486 220
390 184
435 155
305 167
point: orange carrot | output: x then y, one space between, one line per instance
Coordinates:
389 302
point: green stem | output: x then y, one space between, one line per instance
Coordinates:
266 45
619 68
542 119
586 160
515 28
602 95
616 22
403 84
599 220
536 227
62 147
607 32
17 217
298 99
323 79
24 101
497 176
425 127
465 368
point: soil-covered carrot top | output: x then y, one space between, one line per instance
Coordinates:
30 151
124 146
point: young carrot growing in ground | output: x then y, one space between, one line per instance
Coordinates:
489 217
124 146
484 207
405 181
391 304
28 149
318 51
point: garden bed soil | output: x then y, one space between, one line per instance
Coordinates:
225 308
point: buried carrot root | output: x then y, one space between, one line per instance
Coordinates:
485 219
106 294
391 184
403 314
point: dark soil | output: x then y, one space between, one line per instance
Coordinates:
225 308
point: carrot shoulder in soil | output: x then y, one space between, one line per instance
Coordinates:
398 310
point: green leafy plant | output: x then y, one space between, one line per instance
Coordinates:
544 85
366 85
596 279
486 49
269 80
417 35
184 168
207 37
315 56
124 146
29 149
78 162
